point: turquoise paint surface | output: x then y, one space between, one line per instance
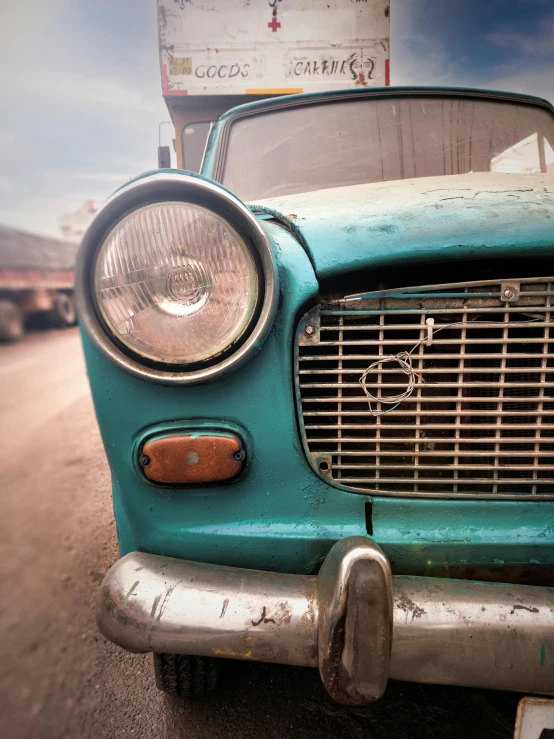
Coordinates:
543 655
473 216
420 534
124 536
281 515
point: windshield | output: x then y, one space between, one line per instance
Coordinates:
351 142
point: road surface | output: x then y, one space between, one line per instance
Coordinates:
60 678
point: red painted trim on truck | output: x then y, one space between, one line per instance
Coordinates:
387 72
30 279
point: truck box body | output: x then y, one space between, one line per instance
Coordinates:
217 54
36 276
226 47
29 261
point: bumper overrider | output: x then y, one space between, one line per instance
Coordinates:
356 622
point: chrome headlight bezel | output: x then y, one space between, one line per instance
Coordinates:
163 187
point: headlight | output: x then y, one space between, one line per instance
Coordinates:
175 283
176 280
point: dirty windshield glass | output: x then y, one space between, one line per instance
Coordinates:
311 147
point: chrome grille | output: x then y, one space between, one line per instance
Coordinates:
480 420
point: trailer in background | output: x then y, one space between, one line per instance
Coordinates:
36 277
217 54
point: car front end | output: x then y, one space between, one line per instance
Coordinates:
329 415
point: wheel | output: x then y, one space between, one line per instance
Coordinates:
63 313
12 325
185 676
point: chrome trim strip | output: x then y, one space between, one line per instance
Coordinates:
195 189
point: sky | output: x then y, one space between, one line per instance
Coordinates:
81 95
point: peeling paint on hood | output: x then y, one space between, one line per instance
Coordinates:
433 218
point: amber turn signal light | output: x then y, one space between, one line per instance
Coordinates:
192 458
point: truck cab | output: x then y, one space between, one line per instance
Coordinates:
323 374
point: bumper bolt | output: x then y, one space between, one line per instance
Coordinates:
508 293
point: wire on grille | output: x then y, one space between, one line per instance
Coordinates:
404 359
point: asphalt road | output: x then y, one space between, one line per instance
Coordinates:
60 678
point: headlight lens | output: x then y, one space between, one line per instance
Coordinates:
175 283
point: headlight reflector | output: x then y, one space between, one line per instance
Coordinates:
175 283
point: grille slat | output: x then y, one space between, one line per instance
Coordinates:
396 426
417 412
447 342
435 370
461 453
436 399
443 385
431 481
430 439
443 357
480 420
480 325
506 468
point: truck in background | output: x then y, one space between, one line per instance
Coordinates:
36 277
217 54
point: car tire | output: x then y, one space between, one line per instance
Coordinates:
12 325
186 676
63 313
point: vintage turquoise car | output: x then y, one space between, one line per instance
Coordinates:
329 413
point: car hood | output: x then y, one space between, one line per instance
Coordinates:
472 216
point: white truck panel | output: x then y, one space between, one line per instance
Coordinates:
233 47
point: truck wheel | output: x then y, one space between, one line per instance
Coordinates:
185 676
11 321
63 313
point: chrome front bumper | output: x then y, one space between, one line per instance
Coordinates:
354 621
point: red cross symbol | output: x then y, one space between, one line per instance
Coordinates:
274 25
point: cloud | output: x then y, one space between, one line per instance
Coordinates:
67 86
8 140
540 43
415 59
421 61
81 104
538 81
9 186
